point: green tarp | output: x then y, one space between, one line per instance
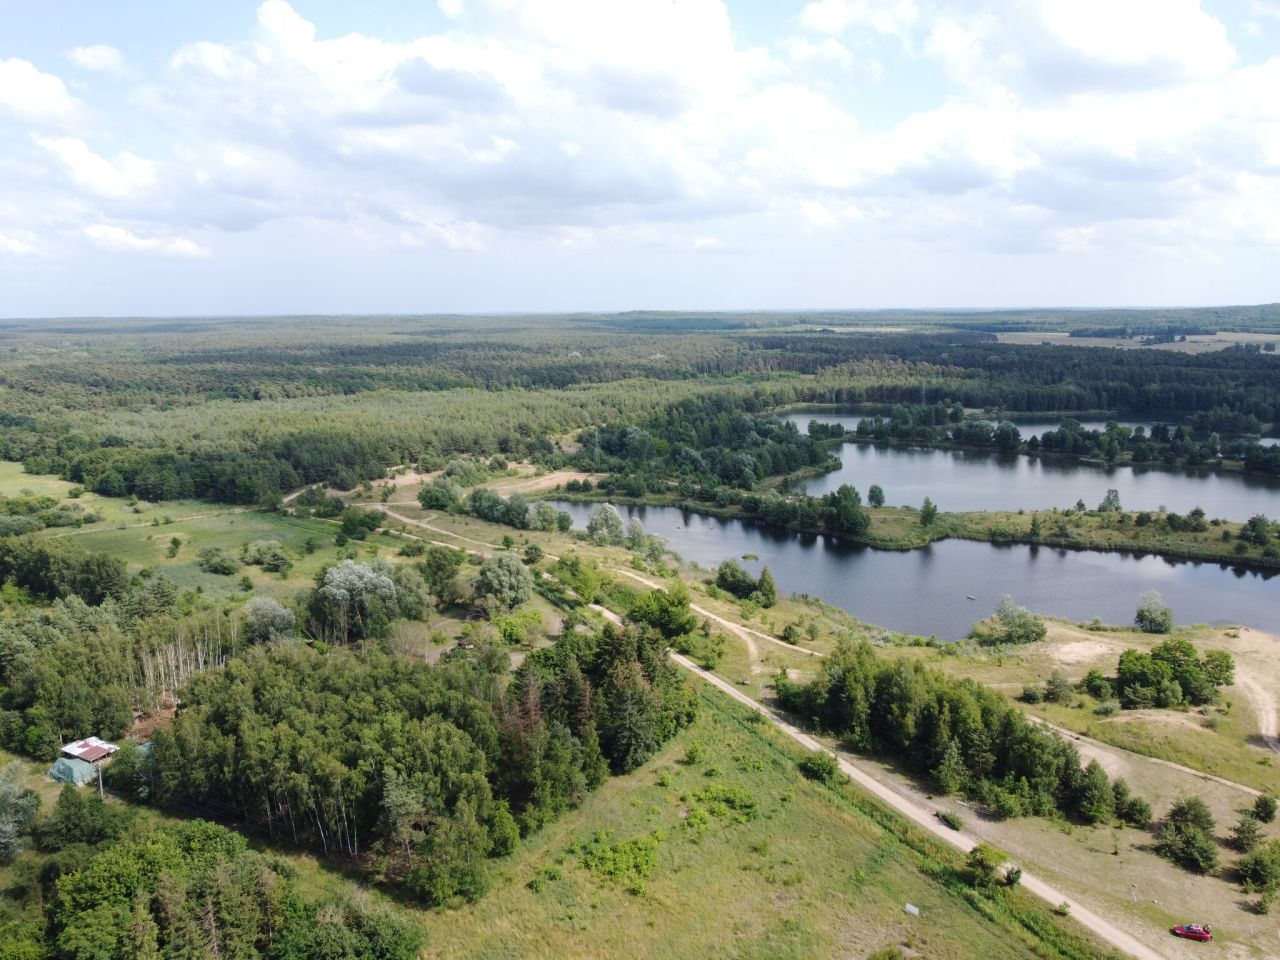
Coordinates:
70 770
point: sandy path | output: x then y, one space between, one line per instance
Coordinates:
509 485
426 525
1096 924
100 527
921 816
1264 705
1104 753
745 634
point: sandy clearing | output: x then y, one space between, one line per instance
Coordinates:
1079 651
1104 753
548 481
1264 706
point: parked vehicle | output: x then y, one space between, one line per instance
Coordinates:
1194 931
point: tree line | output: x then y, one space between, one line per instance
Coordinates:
960 735
421 772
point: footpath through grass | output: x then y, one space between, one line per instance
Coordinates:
720 848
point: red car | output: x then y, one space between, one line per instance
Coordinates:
1194 931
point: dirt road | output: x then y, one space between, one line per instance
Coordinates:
904 804
1264 705
1098 925
1092 749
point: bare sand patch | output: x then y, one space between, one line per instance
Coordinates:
1080 651
548 481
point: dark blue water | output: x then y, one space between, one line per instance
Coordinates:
962 480
924 591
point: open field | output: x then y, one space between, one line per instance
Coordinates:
783 921
1224 740
1148 892
1142 889
810 876
1194 343
816 871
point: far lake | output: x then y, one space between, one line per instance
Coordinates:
924 591
962 480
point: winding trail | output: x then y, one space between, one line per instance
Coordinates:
1264 705
1096 924
1092 749
906 805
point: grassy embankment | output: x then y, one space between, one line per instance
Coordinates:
806 870
818 871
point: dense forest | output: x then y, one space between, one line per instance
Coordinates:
1203 439
330 717
243 411
429 770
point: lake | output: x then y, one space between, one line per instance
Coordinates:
923 591
961 480
1027 427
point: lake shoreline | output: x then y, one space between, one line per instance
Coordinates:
1236 467
942 588
948 527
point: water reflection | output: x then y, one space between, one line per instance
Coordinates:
973 480
924 591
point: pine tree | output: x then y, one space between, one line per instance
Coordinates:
595 768
144 934
951 773
1095 800
766 589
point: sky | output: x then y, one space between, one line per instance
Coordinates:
322 156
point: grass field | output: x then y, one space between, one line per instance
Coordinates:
815 872
1194 343
1219 739
811 876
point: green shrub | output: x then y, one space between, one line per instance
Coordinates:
950 819
626 863
1247 833
735 804
1188 846
1264 808
1260 870
982 862
820 766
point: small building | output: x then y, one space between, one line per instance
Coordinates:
90 750
73 771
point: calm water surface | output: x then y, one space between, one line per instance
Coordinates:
924 591
970 480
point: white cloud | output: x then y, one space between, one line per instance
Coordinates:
1052 126
17 243
98 56
126 176
31 94
889 17
112 237
1055 47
